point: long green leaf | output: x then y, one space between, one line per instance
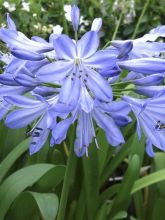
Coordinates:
148 180
122 199
19 181
91 180
32 204
12 157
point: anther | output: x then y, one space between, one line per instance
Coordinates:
39 129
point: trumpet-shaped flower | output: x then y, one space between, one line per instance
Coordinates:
150 117
77 66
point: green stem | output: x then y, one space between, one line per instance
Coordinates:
67 180
115 32
140 18
120 83
53 85
106 45
64 19
117 26
76 36
123 90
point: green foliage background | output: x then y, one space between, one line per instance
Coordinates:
112 183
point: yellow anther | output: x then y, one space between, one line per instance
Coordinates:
76 61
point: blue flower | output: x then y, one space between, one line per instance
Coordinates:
106 116
75 17
42 111
145 46
150 116
77 66
17 40
144 65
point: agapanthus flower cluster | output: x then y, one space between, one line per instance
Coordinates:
53 84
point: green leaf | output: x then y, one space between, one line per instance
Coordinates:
91 181
120 215
30 204
158 209
19 181
115 162
148 180
51 178
7 163
104 152
159 163
122 199
109 192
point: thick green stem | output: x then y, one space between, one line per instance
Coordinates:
70 168
140 19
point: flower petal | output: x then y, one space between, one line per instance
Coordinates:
8 90
10 23
27 80
18 40
96 24
101 60
55 71
125 49
150 91
86 101
59 132
65 48
39 136
149 80
144 65
22 101
88 44
98 85
21 118
113 134
27 55
8 79
70 91
75 17
149 148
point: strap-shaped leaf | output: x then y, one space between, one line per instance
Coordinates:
149 180
12 157
30 204
19 181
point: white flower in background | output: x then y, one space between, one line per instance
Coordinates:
25 6
83 24
57 29
9 6
130 14
67 10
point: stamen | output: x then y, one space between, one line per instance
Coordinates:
36 134
159 125
37 128
77 61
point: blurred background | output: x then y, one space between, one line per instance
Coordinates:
42 17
